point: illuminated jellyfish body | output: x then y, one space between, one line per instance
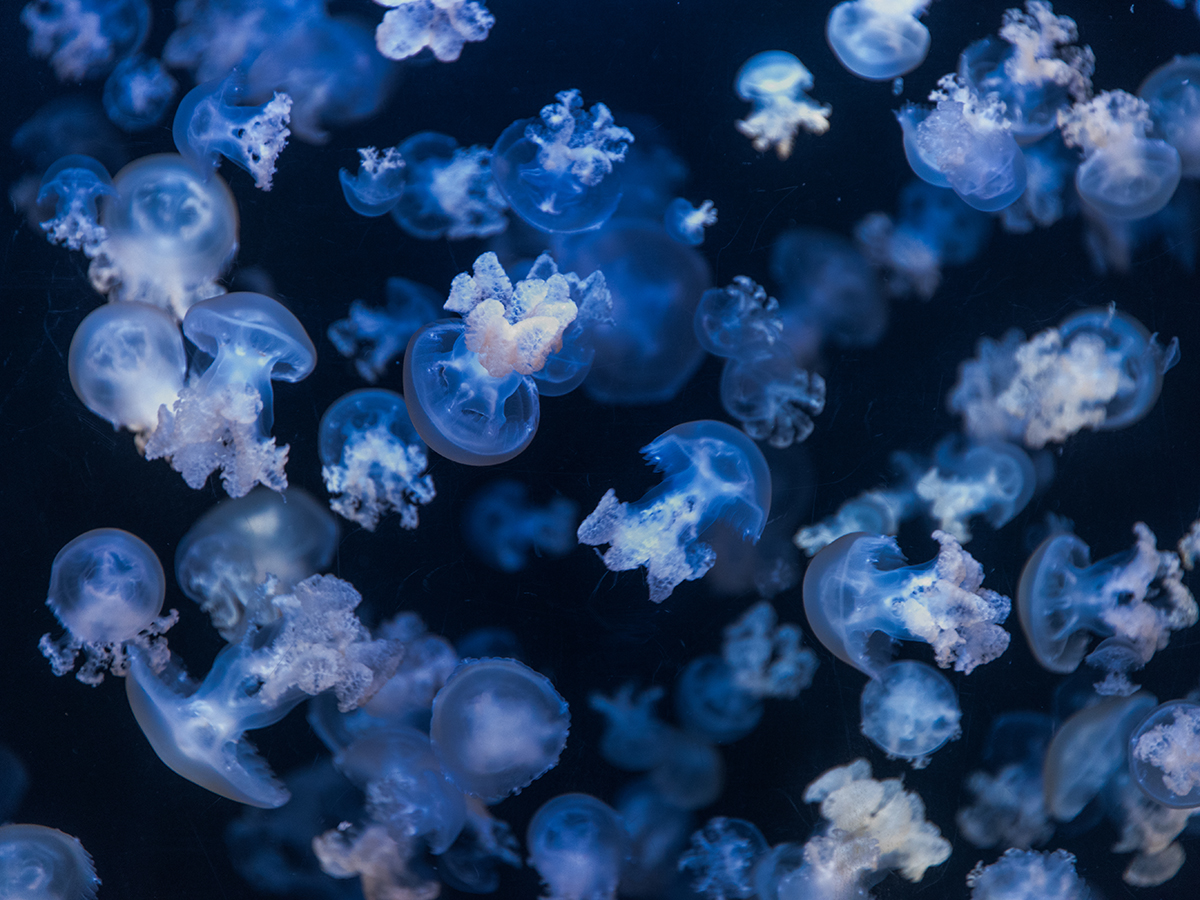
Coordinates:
686 223
373 337
75 183
83 39
561 172
243 550
444 26
314 643
126 361
1050 167
720 862
40 863
497 727
448 190
994 480
1173 94
775 82
138 93
107 589
170 234
860 598
1064 598
1028 874
711 471
878 39
1164 754
1124 173
223 417
379 183
209 124
909 711
503 526
578 845
566 368
372 460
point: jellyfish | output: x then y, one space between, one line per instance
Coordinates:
83 39
766 659
1124 173
994 480
686 223
241 547
860 598
691 773
1028 875
909 711
577 844
721 859
1050 168
634 739
448 190
503 526
879 511
497 727
126 361
1172 93
223 417
138 93
41 863
76 183
372 460
567 367
711 705
561 172
878 39
658 833
1138 595
379 184
1164 754
775 82
711 472
374 336
444 26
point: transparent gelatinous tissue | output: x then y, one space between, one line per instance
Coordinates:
444 26
775 82
378 184
878 39
1164 754
75 183
43 863
1173 94
578 845
720 862
1028 873
447 190
374 336
138 93
909 711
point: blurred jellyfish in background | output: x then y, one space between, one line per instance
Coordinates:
775 82
909 711
139 93
83 39
1049 167
1020 874
14 782
577 844
686 223
1173 94
40 862
447 190
720 862
375 336
503 526
878 39
994 480
444 26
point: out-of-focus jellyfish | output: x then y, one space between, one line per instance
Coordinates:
909 711
1173 94
658 833
170 234
443 26
1035 69
635 739
384 865
1099 369
776 82
860 599
561 171
577 844
379 183
209 125
126 362
994 480
503 526
1028 875
1164 754
372 460
711 471
720 862
1063 598
686 223
878 39
497 727
373 337
879 511
314 643
1124 173
711 705
82 39
226 559
448 190
567 367
469 864
40 863
1049 167
107 589
767 659
1147 828
75 183
691 773
138 93
1112 244
223 417
653 173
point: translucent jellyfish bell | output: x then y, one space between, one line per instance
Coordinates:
497 726
577 844
1164 754
910 711
1173 92
878 39
75 183
39 863
771 73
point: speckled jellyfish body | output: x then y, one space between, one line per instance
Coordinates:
909 711
775 82
448 190
1173 94
577 844
711 471
243 550
372 459
561 172
40 863
223 417
860 598
75 183
878 39
1164 754
497 727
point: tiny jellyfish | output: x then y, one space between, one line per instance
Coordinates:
1029 875
374 336
634 739
223 417
909 711
107 589
578 846
379 183
448 190
503 526
40 863
1173 93
878 39
720 862
138 93
444 26
1164 754
738 319
686 223
994 480
497 727
711 472
561 172
126 362
775 82
372 460
860 598
75 183
82 39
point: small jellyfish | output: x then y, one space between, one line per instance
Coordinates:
84 38
686 223
767 659
578 845
909 711
503 526
1029 875
720 862
372 460
138 93
448 190
444 26
1164 754
379 184
711 704
497 727
40 863
775 82
1173 93
711 471
878 39
223 417
107 589
994 480
634 739
658 834
76 183
561 172
373 337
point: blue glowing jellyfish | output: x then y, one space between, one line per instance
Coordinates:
448 190
1164 754
909 711
577 844
878 39
41 863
